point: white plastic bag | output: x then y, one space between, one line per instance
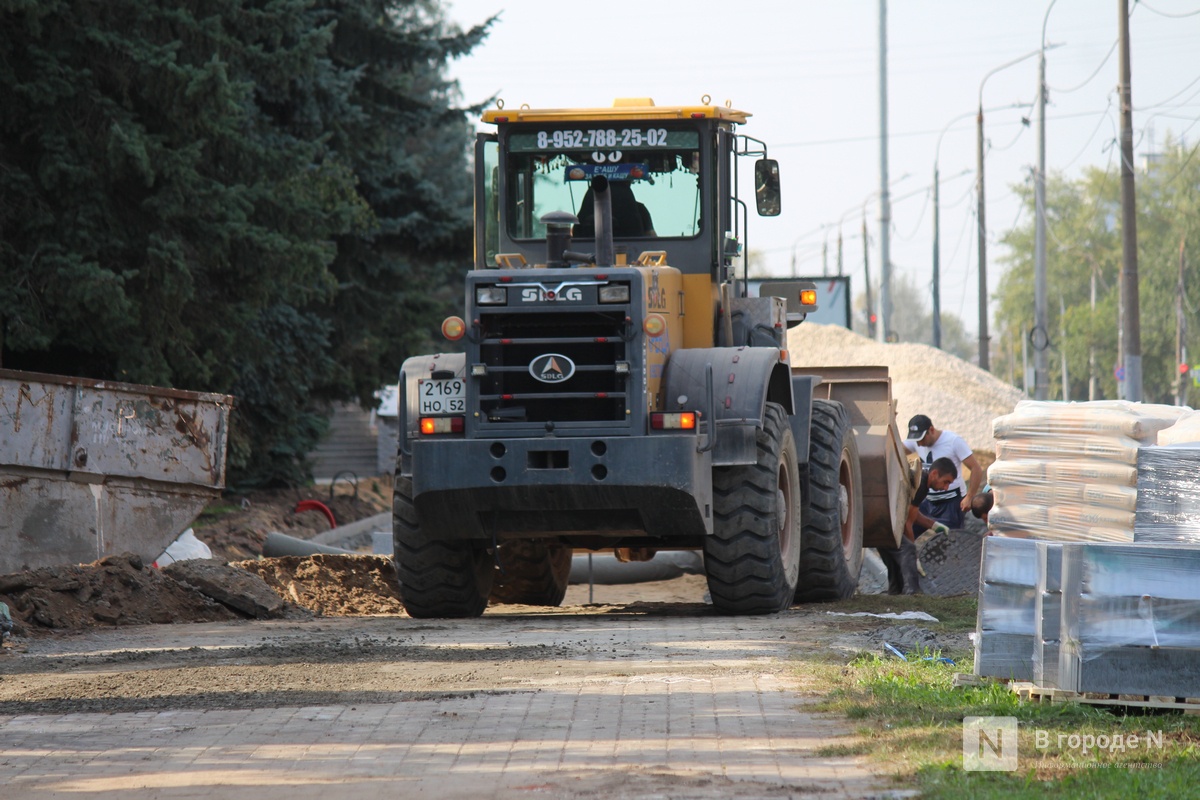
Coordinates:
185 547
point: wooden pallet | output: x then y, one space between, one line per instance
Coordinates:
968 679
1040 694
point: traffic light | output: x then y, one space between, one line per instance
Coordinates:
871 320
1183 369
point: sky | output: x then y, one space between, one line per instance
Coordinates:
809 73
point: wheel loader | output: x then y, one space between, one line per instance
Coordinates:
611 386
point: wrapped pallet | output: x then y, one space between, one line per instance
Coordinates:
1130 619
1069 471
1008 593
1047 638
1116 619
1168 496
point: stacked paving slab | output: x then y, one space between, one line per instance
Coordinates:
1113 617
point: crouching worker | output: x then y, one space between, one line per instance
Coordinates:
901 561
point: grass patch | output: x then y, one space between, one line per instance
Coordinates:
215 510
909 716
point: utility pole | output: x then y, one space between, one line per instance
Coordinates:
1131 316
871 326
1024 366
885 205
1093 379
981 217
1012 361
1041 373
980 214
1062 332
937 257
839 253
1180 335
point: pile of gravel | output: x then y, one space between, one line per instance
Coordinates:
956 395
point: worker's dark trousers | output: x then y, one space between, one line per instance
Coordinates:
901 563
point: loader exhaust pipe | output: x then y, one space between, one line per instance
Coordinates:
602 203
558 236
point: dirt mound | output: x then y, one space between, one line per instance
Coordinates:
956 395
117 590
332 585
121 590
235 526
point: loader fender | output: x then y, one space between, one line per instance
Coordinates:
744 380
413 370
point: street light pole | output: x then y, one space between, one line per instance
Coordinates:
937 245
937 277
984 360
885 205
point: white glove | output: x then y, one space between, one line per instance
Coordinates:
939 527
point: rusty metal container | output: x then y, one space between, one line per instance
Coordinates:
91 468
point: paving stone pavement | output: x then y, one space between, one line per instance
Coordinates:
738 731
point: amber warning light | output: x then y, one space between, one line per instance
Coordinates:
684 420
808 297
453 328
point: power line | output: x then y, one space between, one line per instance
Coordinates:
1137 3
1089 78
1095 130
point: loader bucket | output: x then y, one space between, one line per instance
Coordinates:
887 486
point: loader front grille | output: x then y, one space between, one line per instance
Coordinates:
592 342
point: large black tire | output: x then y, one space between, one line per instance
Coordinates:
752 558
831 550
531 572
438 578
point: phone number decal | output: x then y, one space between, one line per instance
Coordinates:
602 137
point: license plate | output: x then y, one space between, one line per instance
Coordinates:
442 396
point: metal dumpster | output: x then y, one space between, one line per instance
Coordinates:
90 468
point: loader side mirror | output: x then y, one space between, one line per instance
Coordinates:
766 187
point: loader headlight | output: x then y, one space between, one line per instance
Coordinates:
491 295
614 293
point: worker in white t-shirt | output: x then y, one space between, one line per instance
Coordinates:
930 444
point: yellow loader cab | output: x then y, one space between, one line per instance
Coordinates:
671 169
615 387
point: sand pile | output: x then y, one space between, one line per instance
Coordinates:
956 395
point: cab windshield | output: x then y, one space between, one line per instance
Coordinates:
653 173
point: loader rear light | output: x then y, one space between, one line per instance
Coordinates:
808 297
434 425
654 324
453 328
683 420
